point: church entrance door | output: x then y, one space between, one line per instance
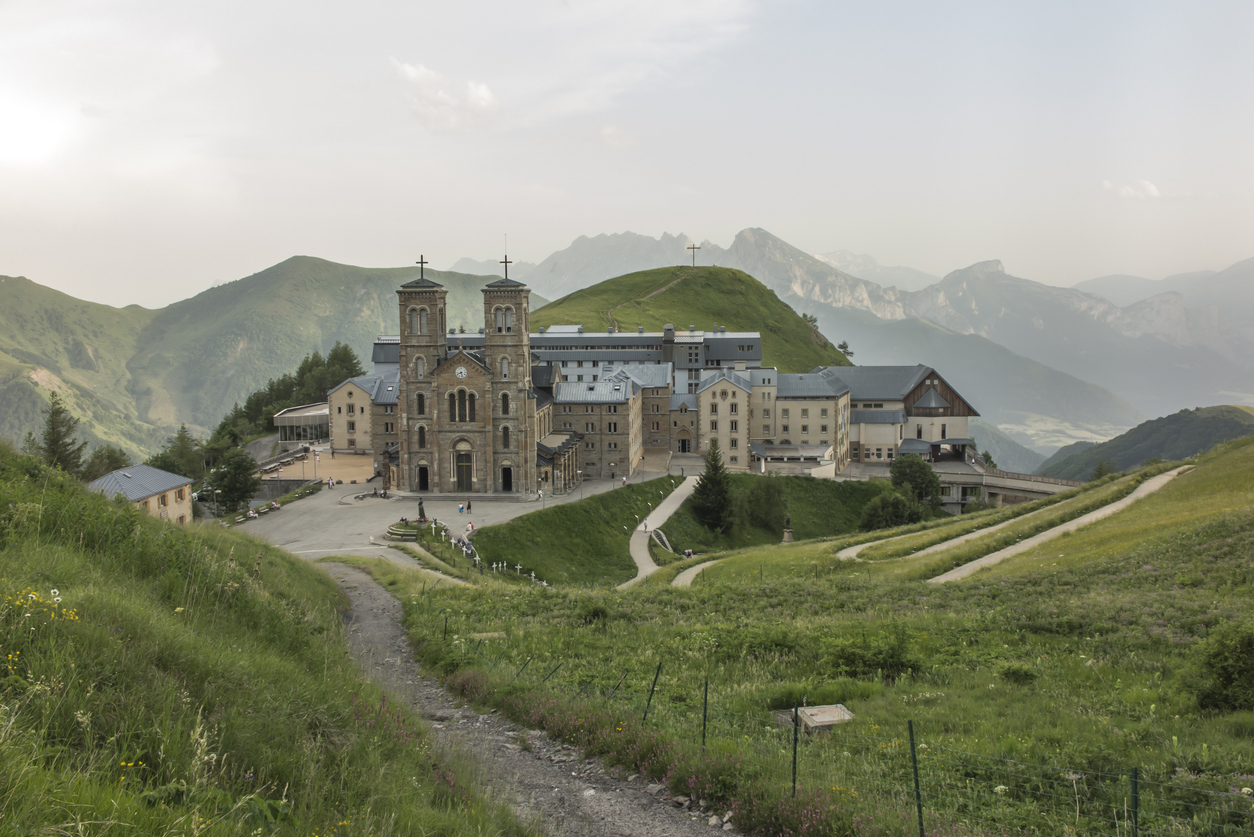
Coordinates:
424 483
507 479
684 446
463 472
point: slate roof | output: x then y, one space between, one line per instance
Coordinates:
884 383
648 375
919 446
382 389
600 392
809 385
505 283
731 376
877 416
543 377
386 350
931 400
421 283
137 482
679 399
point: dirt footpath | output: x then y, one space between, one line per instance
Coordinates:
550 785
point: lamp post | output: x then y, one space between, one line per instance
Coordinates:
580 475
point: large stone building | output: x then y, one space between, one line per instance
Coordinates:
515 411
161 494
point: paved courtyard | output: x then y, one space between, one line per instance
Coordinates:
335 522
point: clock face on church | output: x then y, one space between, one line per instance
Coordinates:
461 372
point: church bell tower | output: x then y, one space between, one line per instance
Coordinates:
507 352
424 343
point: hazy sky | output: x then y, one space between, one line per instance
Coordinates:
150 149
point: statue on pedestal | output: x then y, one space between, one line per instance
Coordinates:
787 528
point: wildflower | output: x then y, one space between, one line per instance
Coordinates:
1000 790
56 592
1248 791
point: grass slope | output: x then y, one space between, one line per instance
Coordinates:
819 508
50 341
160 681
585 543
701 297
1070 664
1177 436
1063 452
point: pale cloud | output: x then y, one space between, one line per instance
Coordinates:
616 137
444 105
1137 190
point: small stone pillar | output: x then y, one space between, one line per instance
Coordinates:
787 528
787 536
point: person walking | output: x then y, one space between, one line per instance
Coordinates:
467 505
461 508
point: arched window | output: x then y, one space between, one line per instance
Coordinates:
452 406
420 368
505 367
422 437
505 403
422 321
461 405
509 320
441 319
422 404
472 406
505 437
413 321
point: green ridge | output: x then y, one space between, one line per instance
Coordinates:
699 297
1177 436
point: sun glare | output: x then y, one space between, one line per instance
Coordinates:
33 131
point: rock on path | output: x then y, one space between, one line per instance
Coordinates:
549 783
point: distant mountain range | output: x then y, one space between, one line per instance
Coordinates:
1192 345
1177 436
133 375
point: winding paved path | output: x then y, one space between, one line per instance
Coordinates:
852 551
689 575
1146 488
640 538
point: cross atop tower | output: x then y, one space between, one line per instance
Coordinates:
507 263
422 263
694 248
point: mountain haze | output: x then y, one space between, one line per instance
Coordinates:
865 267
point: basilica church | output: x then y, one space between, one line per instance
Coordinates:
516 411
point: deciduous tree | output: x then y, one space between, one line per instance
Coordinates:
235 477
914 477
104 459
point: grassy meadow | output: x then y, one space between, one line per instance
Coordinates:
163 681
1034 688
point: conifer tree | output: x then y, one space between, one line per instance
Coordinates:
103 460
60 448
711 500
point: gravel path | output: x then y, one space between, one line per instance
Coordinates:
640 538
1146 488
686 578
852 551
549 785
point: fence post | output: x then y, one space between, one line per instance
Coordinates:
649 703
553 672
498 658
446 627
524 668
914 763
705 708
796 727
1136 804
620 682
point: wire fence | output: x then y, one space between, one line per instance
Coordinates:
905 772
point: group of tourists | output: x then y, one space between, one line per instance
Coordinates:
463 508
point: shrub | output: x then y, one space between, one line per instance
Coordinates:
1223 669
887 656
889 510
1017 673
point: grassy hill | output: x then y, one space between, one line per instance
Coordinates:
1177 436
701 297
1063 452
53 342
132 376
160 680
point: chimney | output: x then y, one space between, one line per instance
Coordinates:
639 329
